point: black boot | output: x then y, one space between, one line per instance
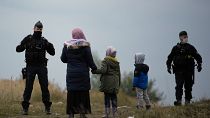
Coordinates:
25 112
187 102
71 116
148 107
47 107
178 103
25 106
47 111
83 116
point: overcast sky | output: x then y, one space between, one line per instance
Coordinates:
147 26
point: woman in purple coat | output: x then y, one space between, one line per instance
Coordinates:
77 54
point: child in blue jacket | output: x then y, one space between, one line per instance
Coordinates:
140 81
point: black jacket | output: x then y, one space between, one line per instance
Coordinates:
78 61
183 56
140 68
35 53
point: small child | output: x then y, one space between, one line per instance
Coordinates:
110 80
140 81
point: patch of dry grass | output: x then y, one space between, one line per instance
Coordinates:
11 95
12 90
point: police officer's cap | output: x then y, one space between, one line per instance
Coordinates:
38 24
182 33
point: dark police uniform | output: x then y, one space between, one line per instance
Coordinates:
36 64
183 56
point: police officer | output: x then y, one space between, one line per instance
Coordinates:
182 59
36 47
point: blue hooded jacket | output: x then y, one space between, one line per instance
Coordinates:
140 79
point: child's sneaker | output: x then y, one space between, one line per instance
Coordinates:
71 116
107 113
139 107
83 116
104 116
114 112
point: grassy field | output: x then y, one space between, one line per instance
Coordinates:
11 96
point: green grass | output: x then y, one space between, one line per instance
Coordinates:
11 96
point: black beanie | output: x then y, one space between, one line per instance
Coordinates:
182 33
38 24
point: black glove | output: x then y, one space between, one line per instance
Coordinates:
93 71
199 67
169 70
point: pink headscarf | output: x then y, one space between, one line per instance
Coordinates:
77 36
111 51
77 33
